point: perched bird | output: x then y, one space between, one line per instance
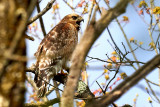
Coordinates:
55 50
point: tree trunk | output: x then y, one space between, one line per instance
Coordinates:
13 19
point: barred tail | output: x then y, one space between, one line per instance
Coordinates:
41 79
42 89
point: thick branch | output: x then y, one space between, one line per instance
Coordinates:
43 104
128 83
92 32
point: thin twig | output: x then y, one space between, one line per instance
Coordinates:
31 82
153 93
139 14
50 90
100 86
112 79
152 82
90 12
142 47
69 5
96 79
157 39
131 62
57 91
41 20
29 37
124 47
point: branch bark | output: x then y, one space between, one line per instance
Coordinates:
92 32
43 104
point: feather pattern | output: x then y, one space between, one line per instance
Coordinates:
55 50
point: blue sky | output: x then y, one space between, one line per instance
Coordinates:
135 28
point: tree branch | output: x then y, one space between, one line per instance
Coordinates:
41 20
92 32
49 5
128 83
43 104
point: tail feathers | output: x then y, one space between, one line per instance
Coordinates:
42 90
41 79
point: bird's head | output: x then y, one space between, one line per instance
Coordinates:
74 19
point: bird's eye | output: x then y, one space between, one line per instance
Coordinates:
74 17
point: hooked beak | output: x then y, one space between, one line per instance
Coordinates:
80 19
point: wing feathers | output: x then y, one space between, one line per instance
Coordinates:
53 53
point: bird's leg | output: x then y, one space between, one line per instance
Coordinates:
67 69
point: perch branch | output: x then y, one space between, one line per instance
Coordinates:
43 104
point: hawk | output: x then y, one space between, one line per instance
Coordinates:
55 50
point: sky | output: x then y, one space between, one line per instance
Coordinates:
135 28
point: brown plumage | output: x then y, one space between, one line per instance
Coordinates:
55 50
